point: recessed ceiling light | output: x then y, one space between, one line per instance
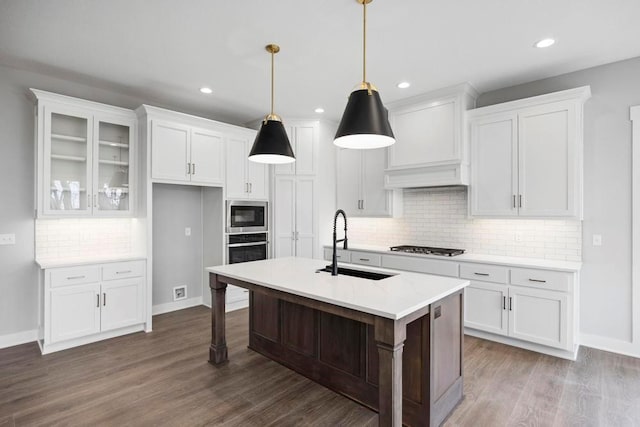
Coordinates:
319 110
206 90
545 43
404 85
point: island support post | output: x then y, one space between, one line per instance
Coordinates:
218 350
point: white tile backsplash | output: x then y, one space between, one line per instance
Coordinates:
438 217
73 238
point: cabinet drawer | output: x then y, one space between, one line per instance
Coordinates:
543 279
421 265
366 258
122 270
484 273
74 276
341 254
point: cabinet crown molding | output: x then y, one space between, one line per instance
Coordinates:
150 111
44 96
461 89
579 94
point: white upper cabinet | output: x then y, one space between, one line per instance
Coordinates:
526 157
430 147
185 154
85 157
304 142
295 219
360 184
245 179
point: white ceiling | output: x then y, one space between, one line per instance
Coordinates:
168 49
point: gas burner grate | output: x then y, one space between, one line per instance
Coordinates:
427 250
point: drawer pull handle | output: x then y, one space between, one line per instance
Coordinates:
104 299
75 277
365 259
538 280
123 272
481 274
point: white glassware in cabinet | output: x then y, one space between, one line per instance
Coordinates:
245 179
85 157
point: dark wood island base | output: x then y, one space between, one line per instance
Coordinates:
408 370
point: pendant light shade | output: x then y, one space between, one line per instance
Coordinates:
365 122
272 144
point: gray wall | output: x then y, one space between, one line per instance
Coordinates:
18 272
606 276
177 259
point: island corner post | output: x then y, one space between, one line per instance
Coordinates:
379 381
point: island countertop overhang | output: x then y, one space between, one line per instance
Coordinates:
393 298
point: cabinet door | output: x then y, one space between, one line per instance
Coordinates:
305 217
306 137
67 175
538 316
375 199
548 175
257 174
207 157
494 166
113 165
169 151
349 171
485 307
122 303
75 311
236 155
284 216
427 134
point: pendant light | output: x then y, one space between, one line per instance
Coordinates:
365 122
272 144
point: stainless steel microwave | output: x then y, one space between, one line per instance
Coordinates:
246 216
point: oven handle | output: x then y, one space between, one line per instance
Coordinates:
240 245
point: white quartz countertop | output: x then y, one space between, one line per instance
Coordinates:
545 264
95 259
394 297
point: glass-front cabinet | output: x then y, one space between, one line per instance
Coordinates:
85 160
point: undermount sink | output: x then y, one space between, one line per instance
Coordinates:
357 273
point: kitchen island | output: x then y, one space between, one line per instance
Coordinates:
393 345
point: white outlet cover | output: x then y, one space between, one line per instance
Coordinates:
519 236
7 239
187 231
179 293
597 240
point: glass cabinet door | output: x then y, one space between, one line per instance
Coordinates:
67 173
112 171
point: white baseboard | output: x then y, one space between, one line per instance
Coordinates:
176 305
23 337
564 354
626 348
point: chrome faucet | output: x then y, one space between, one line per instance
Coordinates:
334 265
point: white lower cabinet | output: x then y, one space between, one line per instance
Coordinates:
539 312
532 308
76 314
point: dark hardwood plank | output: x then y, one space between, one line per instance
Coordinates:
163 378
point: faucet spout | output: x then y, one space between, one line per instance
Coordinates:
334 263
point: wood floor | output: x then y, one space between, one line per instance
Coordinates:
163 378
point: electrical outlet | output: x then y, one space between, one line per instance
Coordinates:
519 236
7 239
597 240
179 293
187 231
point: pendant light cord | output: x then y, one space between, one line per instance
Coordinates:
272 79
364 42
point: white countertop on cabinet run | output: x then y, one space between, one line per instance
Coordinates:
73 261
394 297
545 264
